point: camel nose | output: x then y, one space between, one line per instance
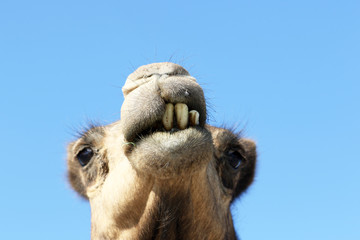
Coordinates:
152 72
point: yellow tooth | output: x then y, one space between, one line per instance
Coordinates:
182 115
168 118
194 118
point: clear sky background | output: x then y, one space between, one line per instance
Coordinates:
286 71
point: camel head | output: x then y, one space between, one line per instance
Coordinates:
161 172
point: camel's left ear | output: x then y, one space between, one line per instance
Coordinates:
247 171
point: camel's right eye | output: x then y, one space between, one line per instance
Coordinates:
84 156
235 158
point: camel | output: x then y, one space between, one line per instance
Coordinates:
161 172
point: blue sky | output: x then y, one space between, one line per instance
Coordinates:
286 71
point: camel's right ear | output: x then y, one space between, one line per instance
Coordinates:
247 171
74 172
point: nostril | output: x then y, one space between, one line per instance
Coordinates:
179 89
186 93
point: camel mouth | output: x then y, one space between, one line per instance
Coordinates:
153 130
177 117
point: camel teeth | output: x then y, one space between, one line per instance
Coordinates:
168 118
194 117
182 115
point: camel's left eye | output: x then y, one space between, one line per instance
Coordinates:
84 156
234 158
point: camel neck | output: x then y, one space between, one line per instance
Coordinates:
173 209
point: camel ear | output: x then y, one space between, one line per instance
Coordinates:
247 171
249 146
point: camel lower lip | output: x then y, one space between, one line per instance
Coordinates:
167 154
173 139
152 133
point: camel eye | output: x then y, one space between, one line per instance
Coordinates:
84 156
234 158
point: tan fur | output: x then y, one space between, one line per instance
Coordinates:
146 183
